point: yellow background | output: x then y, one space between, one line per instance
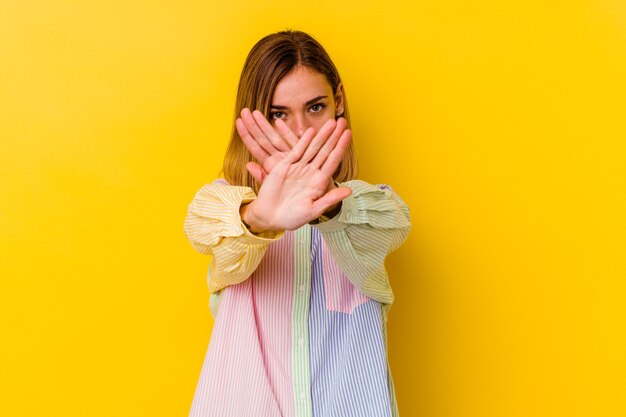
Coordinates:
502 124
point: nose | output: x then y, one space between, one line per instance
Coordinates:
299 124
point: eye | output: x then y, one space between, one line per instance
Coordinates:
277 115
317 107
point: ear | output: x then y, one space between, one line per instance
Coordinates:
339 103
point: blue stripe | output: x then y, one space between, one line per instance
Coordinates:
347 354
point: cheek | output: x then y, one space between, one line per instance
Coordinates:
318 120
318 123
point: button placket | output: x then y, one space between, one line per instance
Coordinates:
300 322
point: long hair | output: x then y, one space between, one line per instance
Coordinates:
268 62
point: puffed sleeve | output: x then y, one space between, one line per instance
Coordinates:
214 227
373 221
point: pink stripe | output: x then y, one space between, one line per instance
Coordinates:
247 369
273 296
340 294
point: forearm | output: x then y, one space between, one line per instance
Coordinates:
372 223
214 228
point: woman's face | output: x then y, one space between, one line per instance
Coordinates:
304 99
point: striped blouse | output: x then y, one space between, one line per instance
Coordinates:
300 316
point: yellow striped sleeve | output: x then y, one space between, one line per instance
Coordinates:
373 222
214 227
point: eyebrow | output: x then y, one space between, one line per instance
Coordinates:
313 100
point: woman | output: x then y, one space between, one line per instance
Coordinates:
300 294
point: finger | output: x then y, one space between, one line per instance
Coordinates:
256 133
331 198
297 151
318 141
336 155
308 134
253 146
330 144
257 172
286 133
269 131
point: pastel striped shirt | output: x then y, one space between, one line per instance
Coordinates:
300 316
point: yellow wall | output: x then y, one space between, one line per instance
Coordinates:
500 123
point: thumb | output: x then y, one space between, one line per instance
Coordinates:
331 198
257 171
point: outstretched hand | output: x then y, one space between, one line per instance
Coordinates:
294 172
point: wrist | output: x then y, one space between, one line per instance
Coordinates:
250 220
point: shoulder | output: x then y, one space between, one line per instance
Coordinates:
220 181
360 186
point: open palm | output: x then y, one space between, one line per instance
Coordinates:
295 191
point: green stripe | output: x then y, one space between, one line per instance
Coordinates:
300 322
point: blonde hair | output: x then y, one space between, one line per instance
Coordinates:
268 62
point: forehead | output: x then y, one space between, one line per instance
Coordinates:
301 85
